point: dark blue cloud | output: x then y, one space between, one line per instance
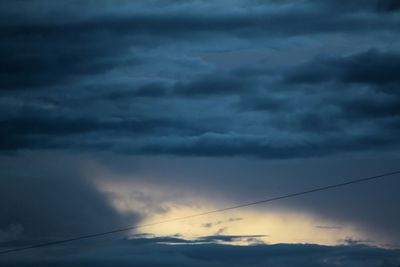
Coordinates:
149 252
40 51
48 205
284 121
40 131
388 5
371 67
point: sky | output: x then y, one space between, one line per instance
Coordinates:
116 113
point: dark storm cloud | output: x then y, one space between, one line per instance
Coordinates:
180 24
358 5
307 134
60 131
38 52
336 111
231 144
48 125
369 108
371 67
388 5
41 59
148 252
226 144
218 84
264 103
135 80
36 207
213 85
282 110
154 89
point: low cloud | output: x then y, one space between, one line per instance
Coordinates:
370 67
153 252
44 203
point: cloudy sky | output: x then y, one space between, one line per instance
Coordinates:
116 113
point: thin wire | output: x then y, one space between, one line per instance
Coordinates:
356 181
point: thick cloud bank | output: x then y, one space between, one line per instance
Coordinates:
52 201
271 79
157 252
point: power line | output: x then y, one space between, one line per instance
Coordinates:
317 189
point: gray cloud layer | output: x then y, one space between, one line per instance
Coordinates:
131 79
149 252
39 202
